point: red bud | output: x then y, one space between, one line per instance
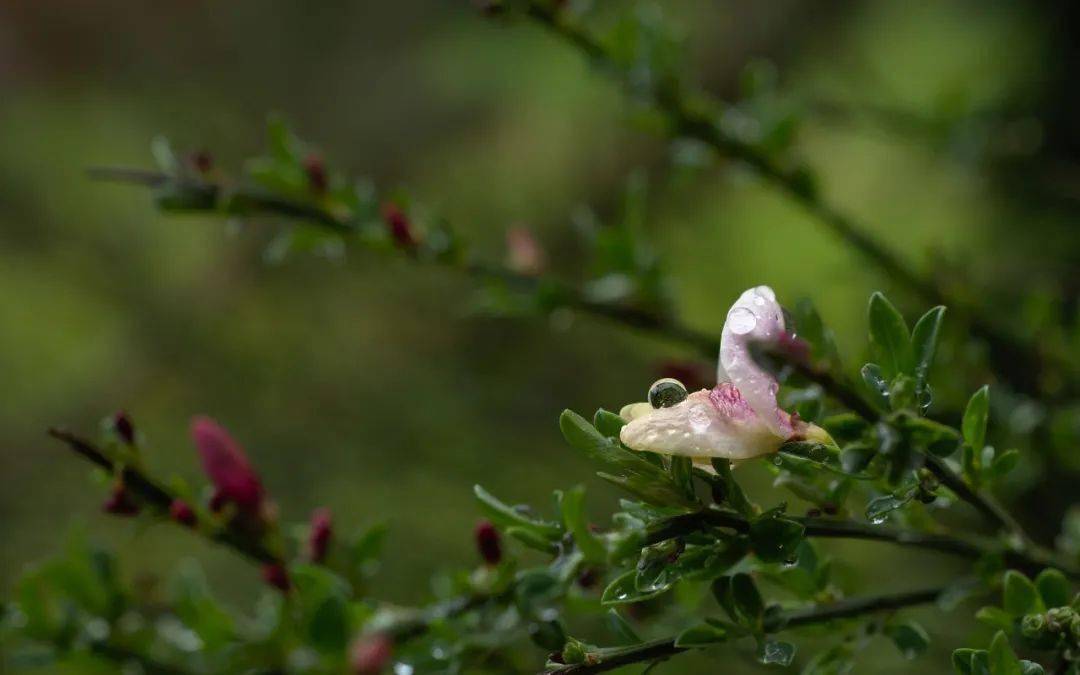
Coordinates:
371 654
181 512
487 542
226 465
400 228
202 160
320 534
120 503
124 427
316 174
275 575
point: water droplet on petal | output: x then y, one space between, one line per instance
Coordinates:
741 320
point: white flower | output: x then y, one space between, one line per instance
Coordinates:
737 419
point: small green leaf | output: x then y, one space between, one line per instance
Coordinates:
682 475
879 508
961 660
876 384
701 635
974 424
734 494
924 338
608 423
775 539
531 539
747 598
329 626
573 511
776 652
1004 463
909 637
622 628
623 590
1019 594
1003 660
995 617
889 337
1053 588
505 515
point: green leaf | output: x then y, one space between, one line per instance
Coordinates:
733 492
622 628
775 539
876 384
531 539
722 591
573 511
879 508
1004 463
974 424
1053 588
502 514
682 475
889 337
776 652
747 598
584 437
1003 660
924 338
909 637
995 617
1019 595
623 590
608 423
961 660
328 629
701 635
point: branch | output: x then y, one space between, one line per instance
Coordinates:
843 609
160 498
1030 562
1018 362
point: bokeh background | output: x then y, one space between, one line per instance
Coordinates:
368 385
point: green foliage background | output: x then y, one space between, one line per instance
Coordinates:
369 386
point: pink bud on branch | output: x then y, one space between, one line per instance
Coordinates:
120 502
398 224
371 654
227 467
124 427
488 542
202 161
275 574
320 535
315 169
181 512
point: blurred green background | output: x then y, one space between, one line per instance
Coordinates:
367 385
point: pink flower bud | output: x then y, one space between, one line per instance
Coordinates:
119 502
226 465
371 654
400 227
202 161
320 534
488 542
181 512
275 574
124 427
316 174
524 253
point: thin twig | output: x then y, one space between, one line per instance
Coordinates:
843 609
